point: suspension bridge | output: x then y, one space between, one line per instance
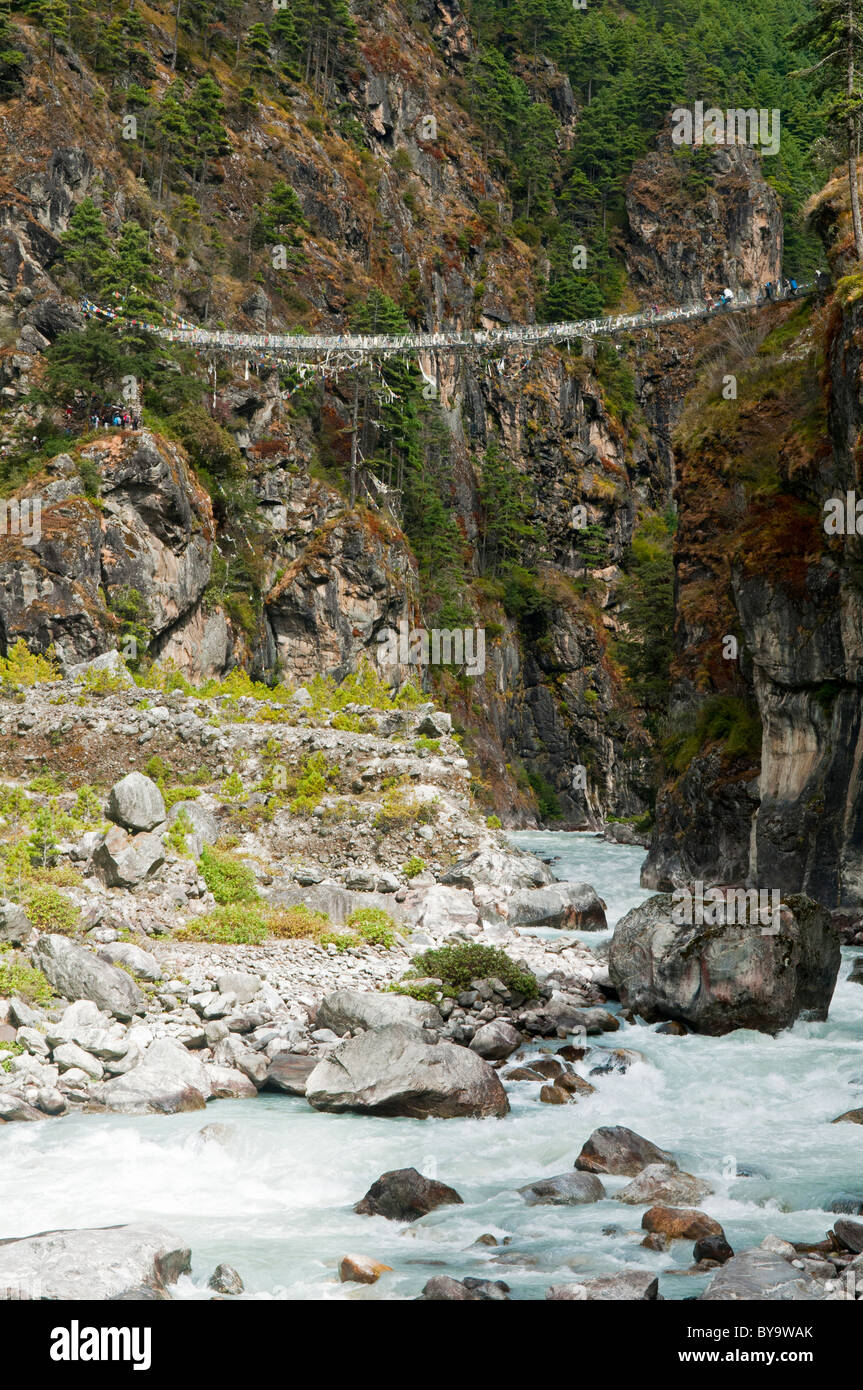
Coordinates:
311 352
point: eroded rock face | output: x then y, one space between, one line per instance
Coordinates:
680 249
152 537
718 978
77 973
390 1072
93 1264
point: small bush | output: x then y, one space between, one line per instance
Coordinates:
374 926
287 923
228 880
23 668
399 811
17 976
427 745
414 866
50 910
456 966
234 924
312 784
494 822
8 1050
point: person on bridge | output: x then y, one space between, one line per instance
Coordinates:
768 289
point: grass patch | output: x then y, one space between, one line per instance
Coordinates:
18 977
374 926
228 880
50 910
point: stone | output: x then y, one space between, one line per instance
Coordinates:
50 1101
495 1041
506 870
125 861
850 1234
136 803
680 1223
15 926
13 1108
628 1284
443 1289
554 1095
390 1072
205 826
619 1151
69 1055
850 1117
347 1009
405 1195
93 1264
716 978
244 986
229 1083
565 1190
440 910
569 906
659 1183
359 1269
763 1275
77 973
225 1279
714 1248
141 962
167 1081
110 662
288 1072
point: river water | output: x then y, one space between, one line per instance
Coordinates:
273 1194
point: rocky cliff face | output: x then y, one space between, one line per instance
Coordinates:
771 769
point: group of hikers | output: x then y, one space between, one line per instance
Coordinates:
778 289
101 416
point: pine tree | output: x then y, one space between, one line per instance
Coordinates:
11 59
835 32
85 245
280 216
204 112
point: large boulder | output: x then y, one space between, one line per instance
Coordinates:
630 1284
96 1264
133 957
496 1040
575 906
441 911
662 1185
110 662
15 927
565 1190
506 870
205 826
405 1195
77 973
347 1009
124 861
442 1288
761 1274
136 803
167 1081
680 1223
289 1072
391 1072
718 977
619 1151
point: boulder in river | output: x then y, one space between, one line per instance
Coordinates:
346 1009
93 1264
405 1195
288 1072
715 1248
850 1234
850 1117
167 1081
566 1190
680 1223
761 1274
506 870
391 1072
496 1040
631 1284
620 1152
77 973
441 1288
659 1183
360 1269
717 977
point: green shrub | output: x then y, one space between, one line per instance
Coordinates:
23 668
234 924
414 866
287 923
374 926
399 811
427 745
313 783
458 965
494 822
18 977
50 910
228 880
